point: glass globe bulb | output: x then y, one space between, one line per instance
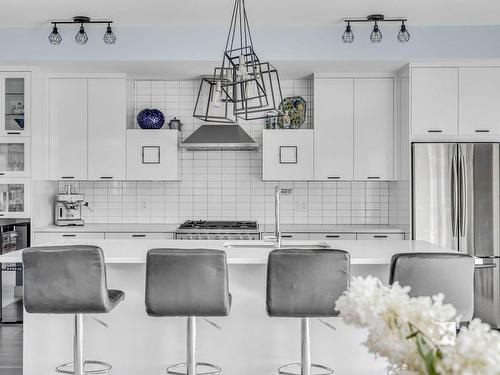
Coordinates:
348 36
403 35
55 38
376 35
217 96
109 36
81 36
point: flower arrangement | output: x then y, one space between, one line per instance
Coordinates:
404 330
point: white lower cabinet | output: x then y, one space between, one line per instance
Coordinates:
287 154
332 236
380 236
139 235
44 237
152 154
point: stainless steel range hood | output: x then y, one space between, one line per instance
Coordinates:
219 138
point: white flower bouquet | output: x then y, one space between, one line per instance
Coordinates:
406 332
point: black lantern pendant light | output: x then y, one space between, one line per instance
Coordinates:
376 34
81 36
243 86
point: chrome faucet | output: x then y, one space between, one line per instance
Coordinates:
277 231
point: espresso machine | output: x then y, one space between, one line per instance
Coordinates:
68 208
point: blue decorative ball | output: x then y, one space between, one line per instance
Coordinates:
150 119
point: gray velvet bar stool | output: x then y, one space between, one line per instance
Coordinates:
69 280
305 283
188 283
431 273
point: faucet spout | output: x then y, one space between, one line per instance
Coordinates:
277 231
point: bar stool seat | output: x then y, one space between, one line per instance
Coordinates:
188 283
69 280
305 283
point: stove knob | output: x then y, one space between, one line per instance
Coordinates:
217 237
237 238
187 237
226 237
246 237
205 237
196 237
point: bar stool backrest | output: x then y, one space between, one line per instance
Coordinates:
65 280
187 282
306 282
431 273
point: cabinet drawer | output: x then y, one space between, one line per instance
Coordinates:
41 238
380 236
295 236
138 235
332 236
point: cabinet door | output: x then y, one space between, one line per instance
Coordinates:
107 129
332 236
15 198
152 154
68 129
434 101
479 98
380 236
333 128
139 235
15 156
373 128
15 105
46 237
287 154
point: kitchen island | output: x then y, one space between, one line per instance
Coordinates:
250 342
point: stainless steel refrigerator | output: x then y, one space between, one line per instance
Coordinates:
456 203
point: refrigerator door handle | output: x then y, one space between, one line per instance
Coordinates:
454 203
463 196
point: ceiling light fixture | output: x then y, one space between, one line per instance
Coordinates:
376 35
81 36
242 86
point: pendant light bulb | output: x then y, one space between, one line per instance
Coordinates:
403 35
81 36
242 73
109 36
55 38
217 96
376 35
348 36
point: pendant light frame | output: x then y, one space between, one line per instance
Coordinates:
204 108
81 21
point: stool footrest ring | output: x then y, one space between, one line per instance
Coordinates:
216 370
102 367
283 370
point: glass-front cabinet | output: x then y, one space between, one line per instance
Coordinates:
15 105
15 197
14 156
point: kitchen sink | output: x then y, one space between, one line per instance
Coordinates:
270 245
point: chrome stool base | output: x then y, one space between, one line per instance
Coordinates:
283 369
216 370
68 368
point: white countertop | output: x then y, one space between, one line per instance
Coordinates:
171 227
134 250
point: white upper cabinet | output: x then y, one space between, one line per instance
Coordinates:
434 101
152 154
479 100
15 104
333 128
106 129
287 154
68 129
373 128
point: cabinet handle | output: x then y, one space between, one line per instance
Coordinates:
332 236
373 177
434 131
138 235
13 133
2 214
67 177
1 173
333 177
286 236
379 236
69 235
482 131
106 178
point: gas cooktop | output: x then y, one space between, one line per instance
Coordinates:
218 230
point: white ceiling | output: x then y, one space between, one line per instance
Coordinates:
273 13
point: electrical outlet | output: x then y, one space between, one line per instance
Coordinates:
286 191
144 205
301 205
